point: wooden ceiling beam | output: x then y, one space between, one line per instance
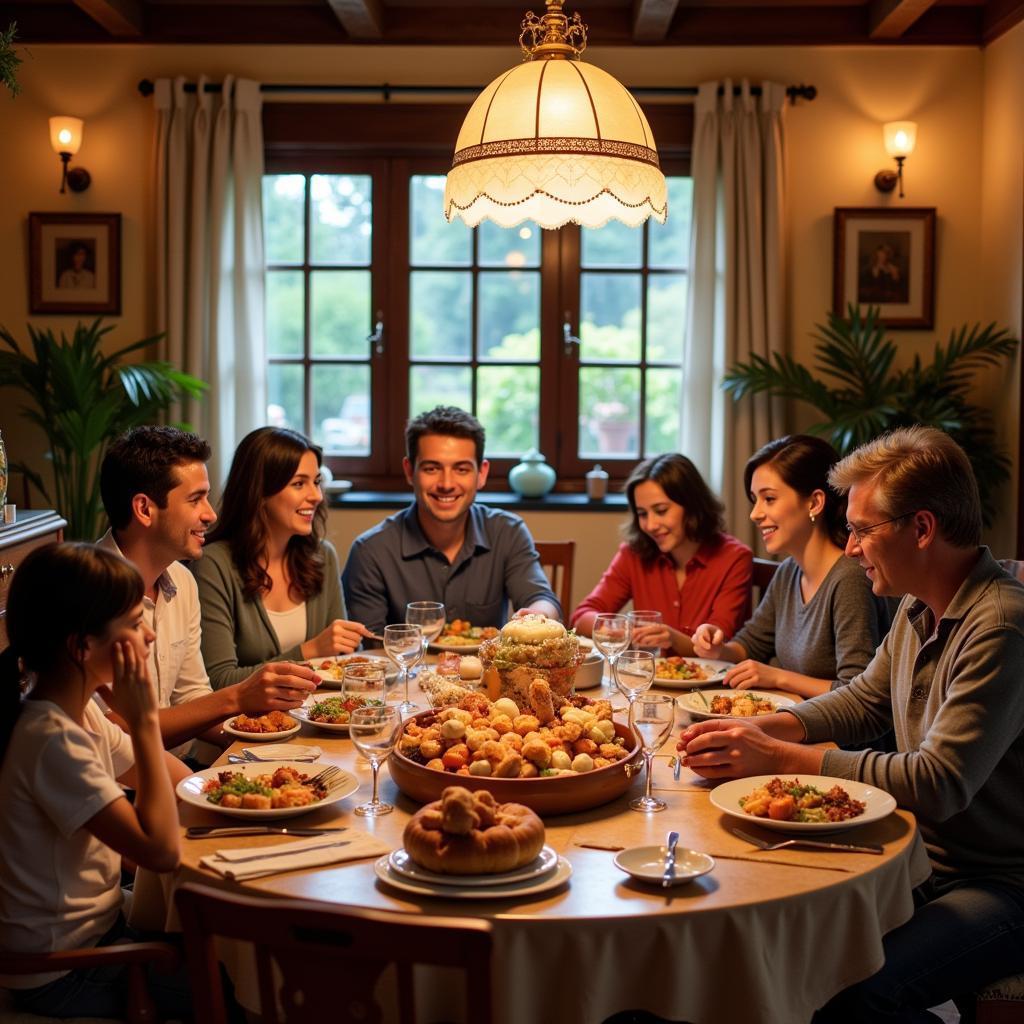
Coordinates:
889 19
1000 16
361 19
120 18
652 18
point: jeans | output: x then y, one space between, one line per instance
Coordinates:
963 936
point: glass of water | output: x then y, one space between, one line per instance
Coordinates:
374 732
643 624
403 644
611 637
429 616
651 717
634 673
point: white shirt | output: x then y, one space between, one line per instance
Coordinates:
289 626
60 887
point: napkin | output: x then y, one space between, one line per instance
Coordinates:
282 752
254 861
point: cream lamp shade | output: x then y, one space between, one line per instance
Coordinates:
555 141
899 137
66 134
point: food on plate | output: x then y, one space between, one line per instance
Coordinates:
334 668
467 833
528 648
679 669
743 705
499 739
791 800
462 633
275 721
286 787
338 710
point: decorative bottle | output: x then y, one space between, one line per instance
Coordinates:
532 477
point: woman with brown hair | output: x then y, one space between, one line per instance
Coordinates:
268 580
676 559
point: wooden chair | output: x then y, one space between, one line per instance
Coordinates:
328 960
138 956
764 571
556 558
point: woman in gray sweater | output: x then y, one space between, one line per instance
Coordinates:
818 618
268 580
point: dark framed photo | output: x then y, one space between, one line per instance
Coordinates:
74 262
886 258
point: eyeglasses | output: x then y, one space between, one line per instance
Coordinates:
860 532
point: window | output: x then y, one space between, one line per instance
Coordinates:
378 309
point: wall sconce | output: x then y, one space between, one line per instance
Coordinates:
899 138
66 138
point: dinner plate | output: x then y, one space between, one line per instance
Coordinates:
261 737
331 675
693 705
303 714
401 863
647 863
190 789
878 803
441 645
715 674
510 890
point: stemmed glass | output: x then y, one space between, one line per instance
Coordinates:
634 673
651 717
365 682
611 637
374 731
638 621
403 644
429 616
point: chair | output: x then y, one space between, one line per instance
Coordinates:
556 558
764 571
328 961
137 955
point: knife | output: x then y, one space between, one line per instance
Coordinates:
670 860
204 831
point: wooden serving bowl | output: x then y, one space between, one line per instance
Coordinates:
559 794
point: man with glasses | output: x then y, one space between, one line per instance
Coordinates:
948 680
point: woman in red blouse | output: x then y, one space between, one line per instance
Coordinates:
677 559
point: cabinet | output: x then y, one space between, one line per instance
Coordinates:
33 529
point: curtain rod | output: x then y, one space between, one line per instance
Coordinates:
146 87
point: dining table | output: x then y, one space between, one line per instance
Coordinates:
766 937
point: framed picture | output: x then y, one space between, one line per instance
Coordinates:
886 258
74 262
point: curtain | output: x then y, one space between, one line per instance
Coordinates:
735 303
209 255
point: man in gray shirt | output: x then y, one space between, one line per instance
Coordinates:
947 678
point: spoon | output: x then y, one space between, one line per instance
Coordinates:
669 874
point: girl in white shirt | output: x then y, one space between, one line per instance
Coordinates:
74 621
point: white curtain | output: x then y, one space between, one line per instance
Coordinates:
735 304
209 258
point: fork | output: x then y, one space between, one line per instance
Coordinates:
818 844
324 777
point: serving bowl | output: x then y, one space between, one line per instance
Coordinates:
590 672
558 794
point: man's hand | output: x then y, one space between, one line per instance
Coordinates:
340 637
708 641
721 749
748 674
278 686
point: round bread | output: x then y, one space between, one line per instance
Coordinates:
532 629
470 667
492 838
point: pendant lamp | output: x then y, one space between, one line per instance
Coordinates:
555 141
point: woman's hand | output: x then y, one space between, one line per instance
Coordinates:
132 694
655 634
340 637
748 674
708 641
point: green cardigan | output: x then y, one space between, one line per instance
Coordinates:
237 635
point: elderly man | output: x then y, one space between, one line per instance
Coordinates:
948 679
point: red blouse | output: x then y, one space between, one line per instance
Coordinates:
716 588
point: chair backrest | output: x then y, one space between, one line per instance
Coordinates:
764 570
317 962
556 558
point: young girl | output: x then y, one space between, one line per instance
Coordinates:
818 617
269 583
74 622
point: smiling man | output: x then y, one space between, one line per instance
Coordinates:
444 546
948 678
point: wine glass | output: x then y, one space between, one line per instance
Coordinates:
429 616
403 644
364 681
638 620
634 673
651 717
374 732
611 637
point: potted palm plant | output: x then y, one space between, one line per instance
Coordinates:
860 395
82 399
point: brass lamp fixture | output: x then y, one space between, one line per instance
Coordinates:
66 139
555 141
899 138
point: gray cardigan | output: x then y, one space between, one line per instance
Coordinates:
237 634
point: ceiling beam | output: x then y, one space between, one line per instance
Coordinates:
121 18
889 19
651 19
1000 17
361 19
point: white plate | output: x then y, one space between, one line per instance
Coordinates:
333 682
303 713
878 803
261 737
510 890
440 645
716 673
647 863
402 864
692 704
190 789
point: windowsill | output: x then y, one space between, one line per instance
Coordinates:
496 499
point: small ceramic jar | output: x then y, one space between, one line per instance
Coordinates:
597 483
532 477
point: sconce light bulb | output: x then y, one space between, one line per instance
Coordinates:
64 136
